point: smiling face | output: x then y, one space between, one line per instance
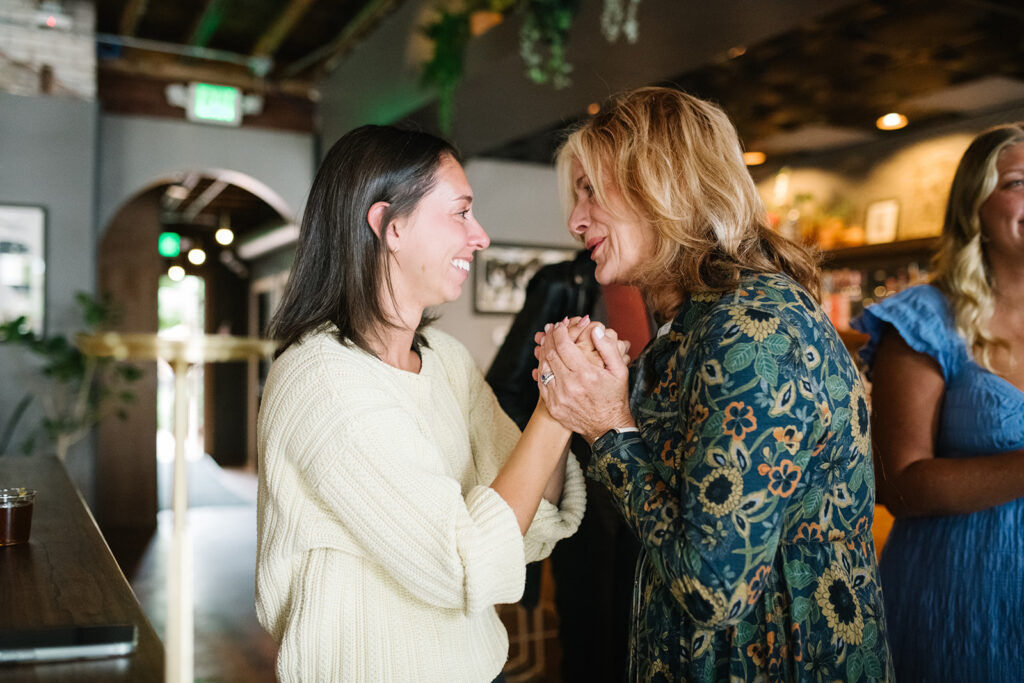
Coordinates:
618 241
433 246
1002 214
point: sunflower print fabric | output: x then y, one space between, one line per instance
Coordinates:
750 486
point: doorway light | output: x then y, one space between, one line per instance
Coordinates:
224 236
196 256
891 121
176 273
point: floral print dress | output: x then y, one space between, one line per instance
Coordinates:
750 487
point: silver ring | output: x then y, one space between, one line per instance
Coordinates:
546 377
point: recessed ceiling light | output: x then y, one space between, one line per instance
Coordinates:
754 158
891 121
224 236
197 257
176 273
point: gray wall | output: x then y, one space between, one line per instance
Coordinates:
83 166
138 151
48 157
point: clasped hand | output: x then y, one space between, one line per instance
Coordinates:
589 392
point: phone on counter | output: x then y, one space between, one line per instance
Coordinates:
67 642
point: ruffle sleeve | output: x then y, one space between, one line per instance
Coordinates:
922 316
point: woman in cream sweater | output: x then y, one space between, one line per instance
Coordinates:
397 502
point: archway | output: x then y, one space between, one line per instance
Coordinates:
195 205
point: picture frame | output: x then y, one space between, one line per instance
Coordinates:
502 271
881 220
23 265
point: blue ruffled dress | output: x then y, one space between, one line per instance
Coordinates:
954 586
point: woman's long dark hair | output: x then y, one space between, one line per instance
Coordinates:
340 272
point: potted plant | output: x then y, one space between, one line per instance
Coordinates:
74 391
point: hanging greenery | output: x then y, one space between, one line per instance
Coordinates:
542 38
543 35
450 35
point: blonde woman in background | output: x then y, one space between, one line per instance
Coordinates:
737 446
947 368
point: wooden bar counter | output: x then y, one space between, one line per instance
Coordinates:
66 575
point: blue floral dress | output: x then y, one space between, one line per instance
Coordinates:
954 586
750 486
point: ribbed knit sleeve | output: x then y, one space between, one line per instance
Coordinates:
553 523
493 435
351 459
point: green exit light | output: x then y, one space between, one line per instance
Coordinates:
210 103
169 244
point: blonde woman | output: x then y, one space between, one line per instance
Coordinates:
947 367
737 445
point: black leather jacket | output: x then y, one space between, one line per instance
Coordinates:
554 292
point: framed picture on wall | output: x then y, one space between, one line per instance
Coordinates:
502 271
880 221
23 265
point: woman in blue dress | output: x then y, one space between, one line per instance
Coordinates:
946 362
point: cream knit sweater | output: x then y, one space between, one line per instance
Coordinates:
382 549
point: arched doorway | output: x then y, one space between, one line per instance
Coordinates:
196 205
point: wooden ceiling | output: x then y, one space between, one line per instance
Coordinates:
279 50
823 84
820 84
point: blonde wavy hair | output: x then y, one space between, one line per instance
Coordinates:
676 161
960 267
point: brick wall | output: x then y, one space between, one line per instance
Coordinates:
38 60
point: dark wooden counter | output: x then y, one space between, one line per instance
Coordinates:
66 575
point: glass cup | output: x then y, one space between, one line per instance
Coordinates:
15 515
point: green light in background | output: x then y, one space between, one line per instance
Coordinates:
169 244
215 104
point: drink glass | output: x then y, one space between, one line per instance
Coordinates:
15 515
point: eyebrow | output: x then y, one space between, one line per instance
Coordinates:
465 197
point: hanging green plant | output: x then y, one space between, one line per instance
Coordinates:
542 39
450 35
543 34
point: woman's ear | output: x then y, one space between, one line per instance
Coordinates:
389 232
375 216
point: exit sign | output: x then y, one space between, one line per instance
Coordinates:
220 104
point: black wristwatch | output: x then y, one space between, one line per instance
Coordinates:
613 432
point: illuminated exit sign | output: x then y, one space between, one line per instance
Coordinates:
220 104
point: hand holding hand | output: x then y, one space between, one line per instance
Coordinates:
580 331
587 397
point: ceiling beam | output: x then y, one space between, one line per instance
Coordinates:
203 200
131 16
328 55
225 75
207 23
272 38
